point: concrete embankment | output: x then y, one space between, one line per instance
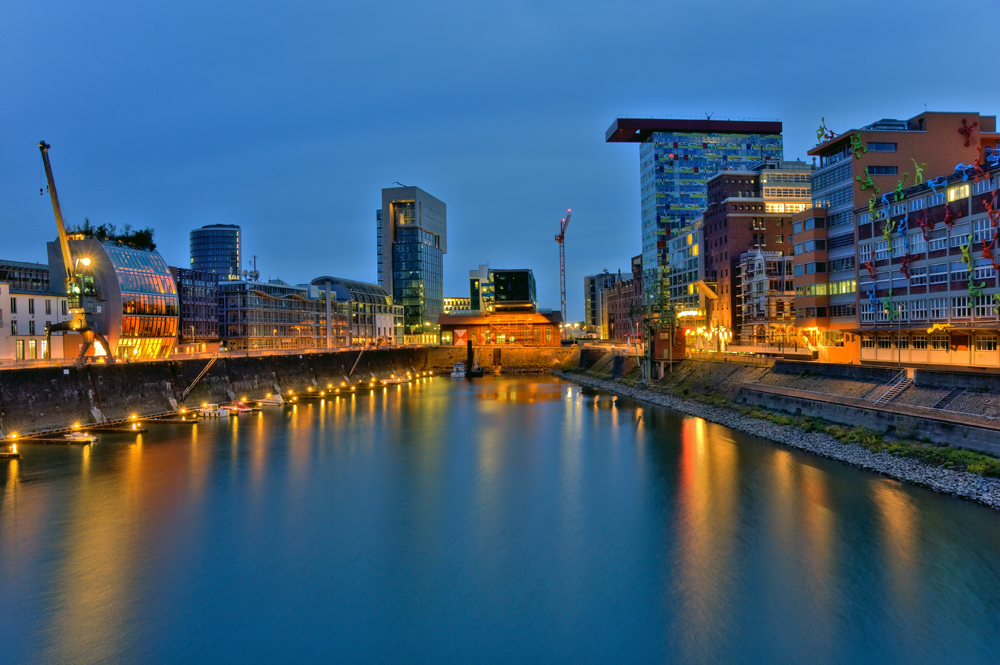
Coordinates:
33 400
958 483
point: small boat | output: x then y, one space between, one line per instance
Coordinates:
395 380
276 400
210 411
10 454
458 371
475 373
236 408
80 437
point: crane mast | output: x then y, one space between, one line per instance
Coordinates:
563 223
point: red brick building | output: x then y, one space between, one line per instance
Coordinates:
624 302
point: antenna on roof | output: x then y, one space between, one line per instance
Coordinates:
708 116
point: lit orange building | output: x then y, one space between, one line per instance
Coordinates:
500 328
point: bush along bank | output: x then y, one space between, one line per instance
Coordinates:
961 473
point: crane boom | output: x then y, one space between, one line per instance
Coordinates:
563 224
63 238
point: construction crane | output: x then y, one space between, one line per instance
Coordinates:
81 293
563 223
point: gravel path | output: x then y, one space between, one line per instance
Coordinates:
947 481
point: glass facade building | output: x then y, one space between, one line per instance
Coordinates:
217 248
676 159
412 228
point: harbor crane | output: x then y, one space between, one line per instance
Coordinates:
81 292
563 223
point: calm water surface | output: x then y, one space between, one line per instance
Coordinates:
505 520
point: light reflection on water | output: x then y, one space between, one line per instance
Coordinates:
491 521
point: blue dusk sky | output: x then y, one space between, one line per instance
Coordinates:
289 118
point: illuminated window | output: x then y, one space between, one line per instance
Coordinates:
960 192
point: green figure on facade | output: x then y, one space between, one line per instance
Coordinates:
867 182
919 177
857 146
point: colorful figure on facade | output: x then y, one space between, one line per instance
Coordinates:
949 218
871 206
867 182
919 177
905 266
966 130
940 181
991 210
823 133
977 166
987 252
903 228
900 185
857 146
870 266
996 299
925 226
993 156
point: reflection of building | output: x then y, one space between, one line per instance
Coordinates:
197 292
595 314
927 273
676 159
374 319
749 209
851 166
764 297
217 248
27 309
457 304
137 305
624 303
276 315
413 239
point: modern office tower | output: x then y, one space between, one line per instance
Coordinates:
594 305
855 167
676 159
747 210
198 296
217 248
413 239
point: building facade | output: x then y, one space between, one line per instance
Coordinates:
928 271
624 303
218 249
198 298
374 319
137 303
457 304
765 297
863 168
521 328
412 241
749 210
595 314
676 159
26 315
276 315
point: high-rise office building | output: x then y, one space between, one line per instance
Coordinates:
217 248
412 241
676 159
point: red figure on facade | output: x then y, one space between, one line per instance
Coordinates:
905 267
925 226
966 130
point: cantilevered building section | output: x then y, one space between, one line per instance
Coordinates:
676 159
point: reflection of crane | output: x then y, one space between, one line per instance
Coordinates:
563 223
80 290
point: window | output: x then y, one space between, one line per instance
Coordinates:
62 306
13 305
867 342
982 230
13 328
984 307
882 170
846 263
939 342
960 192
780 238
918 310
939 240
797 248
815 267
31 326
903 342
20 349
939 273
917 243
812 245
918 204
918 276
919 341
881 250
960 307
883 342
939 308
798 270
959 271
875 146
31 305
32 349
840 241
986 343
960 240
48 306
868 312
843 310
797 227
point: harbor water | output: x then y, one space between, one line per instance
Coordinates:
500 520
